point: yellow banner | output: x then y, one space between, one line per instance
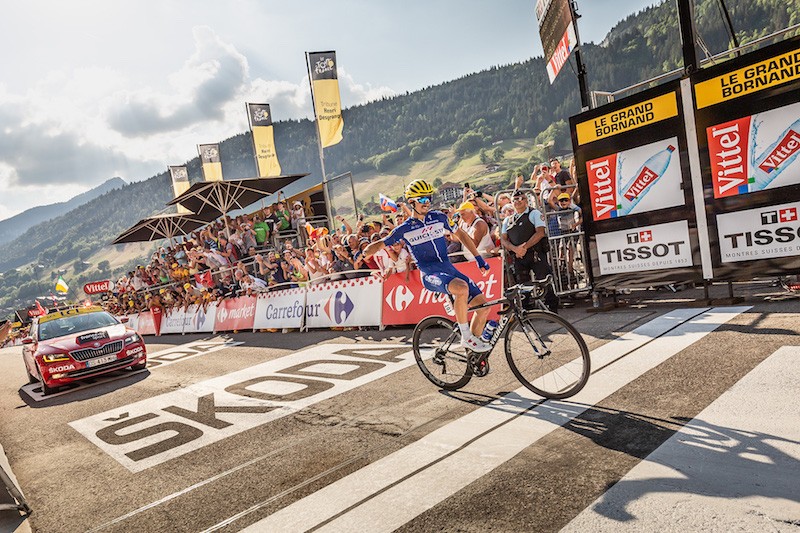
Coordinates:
328 108
266 156
327 103
629 118
774 71
180 184
212 165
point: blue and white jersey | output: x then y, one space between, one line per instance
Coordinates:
425 238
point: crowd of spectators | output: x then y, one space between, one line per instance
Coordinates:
274 248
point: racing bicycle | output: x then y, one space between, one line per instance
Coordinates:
545 352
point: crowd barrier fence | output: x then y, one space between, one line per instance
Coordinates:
400 299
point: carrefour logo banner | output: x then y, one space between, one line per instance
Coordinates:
281 309
763 233
173 320
655 247
344 303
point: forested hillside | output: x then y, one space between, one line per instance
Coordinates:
505 102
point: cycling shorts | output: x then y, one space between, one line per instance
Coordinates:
439 277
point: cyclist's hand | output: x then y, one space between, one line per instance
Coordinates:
482 264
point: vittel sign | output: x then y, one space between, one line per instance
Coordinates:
96 287
768 232
654 247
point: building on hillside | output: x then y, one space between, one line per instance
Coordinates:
449 192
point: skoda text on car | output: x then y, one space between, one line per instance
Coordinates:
70 345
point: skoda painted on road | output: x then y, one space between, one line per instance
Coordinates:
66 346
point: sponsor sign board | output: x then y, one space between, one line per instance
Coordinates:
172 321
637 115
96 287
146 323
657 247
408 301
748 135
149 432
281 309
755 152
344 303
634 181
235 314
763 233
557 31
201 320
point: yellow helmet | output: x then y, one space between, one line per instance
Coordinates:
418 189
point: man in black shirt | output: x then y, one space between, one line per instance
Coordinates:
562 177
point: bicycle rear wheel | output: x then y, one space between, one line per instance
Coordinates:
547 354
439 355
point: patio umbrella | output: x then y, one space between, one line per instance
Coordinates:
225 196
165 226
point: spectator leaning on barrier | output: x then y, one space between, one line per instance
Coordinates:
523 235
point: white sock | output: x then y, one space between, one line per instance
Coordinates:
465 331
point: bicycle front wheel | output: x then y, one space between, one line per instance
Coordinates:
547 354
439 355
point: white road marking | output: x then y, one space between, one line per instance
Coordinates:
392 491
712 475
146 433
158 359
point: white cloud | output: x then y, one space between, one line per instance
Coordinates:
74 129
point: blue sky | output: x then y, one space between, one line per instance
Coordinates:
102 88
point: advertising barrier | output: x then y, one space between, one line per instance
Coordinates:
172 320
407 301
352 302
201 320
280 309
146 324
748 136
632 165
235 314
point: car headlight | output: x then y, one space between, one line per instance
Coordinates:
132 339
55 357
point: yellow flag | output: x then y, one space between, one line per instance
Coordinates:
327 104
263 139
180 184
61 285
212 165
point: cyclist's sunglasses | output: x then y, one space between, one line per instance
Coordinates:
424 200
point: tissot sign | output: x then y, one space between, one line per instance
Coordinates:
759 233
647 248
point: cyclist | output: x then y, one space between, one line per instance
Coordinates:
424 232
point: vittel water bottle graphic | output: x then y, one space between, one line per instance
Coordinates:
776 158
636 189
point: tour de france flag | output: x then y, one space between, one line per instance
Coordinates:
180 183
209 158
327 104
260 119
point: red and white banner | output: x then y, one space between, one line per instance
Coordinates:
566 45
755 153
408 302
133 321
349 302
96 287
235 314
280 309
149 323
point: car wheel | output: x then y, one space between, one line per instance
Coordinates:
46 390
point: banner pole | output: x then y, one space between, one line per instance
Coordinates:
252 141
321 149
582 82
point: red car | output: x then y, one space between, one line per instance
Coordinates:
66 346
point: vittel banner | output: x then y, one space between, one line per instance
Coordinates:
657 247
768 232
756 152
642 179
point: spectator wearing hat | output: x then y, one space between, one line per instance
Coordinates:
477 229
523 235
569 221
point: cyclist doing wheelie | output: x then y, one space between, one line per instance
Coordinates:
424 233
